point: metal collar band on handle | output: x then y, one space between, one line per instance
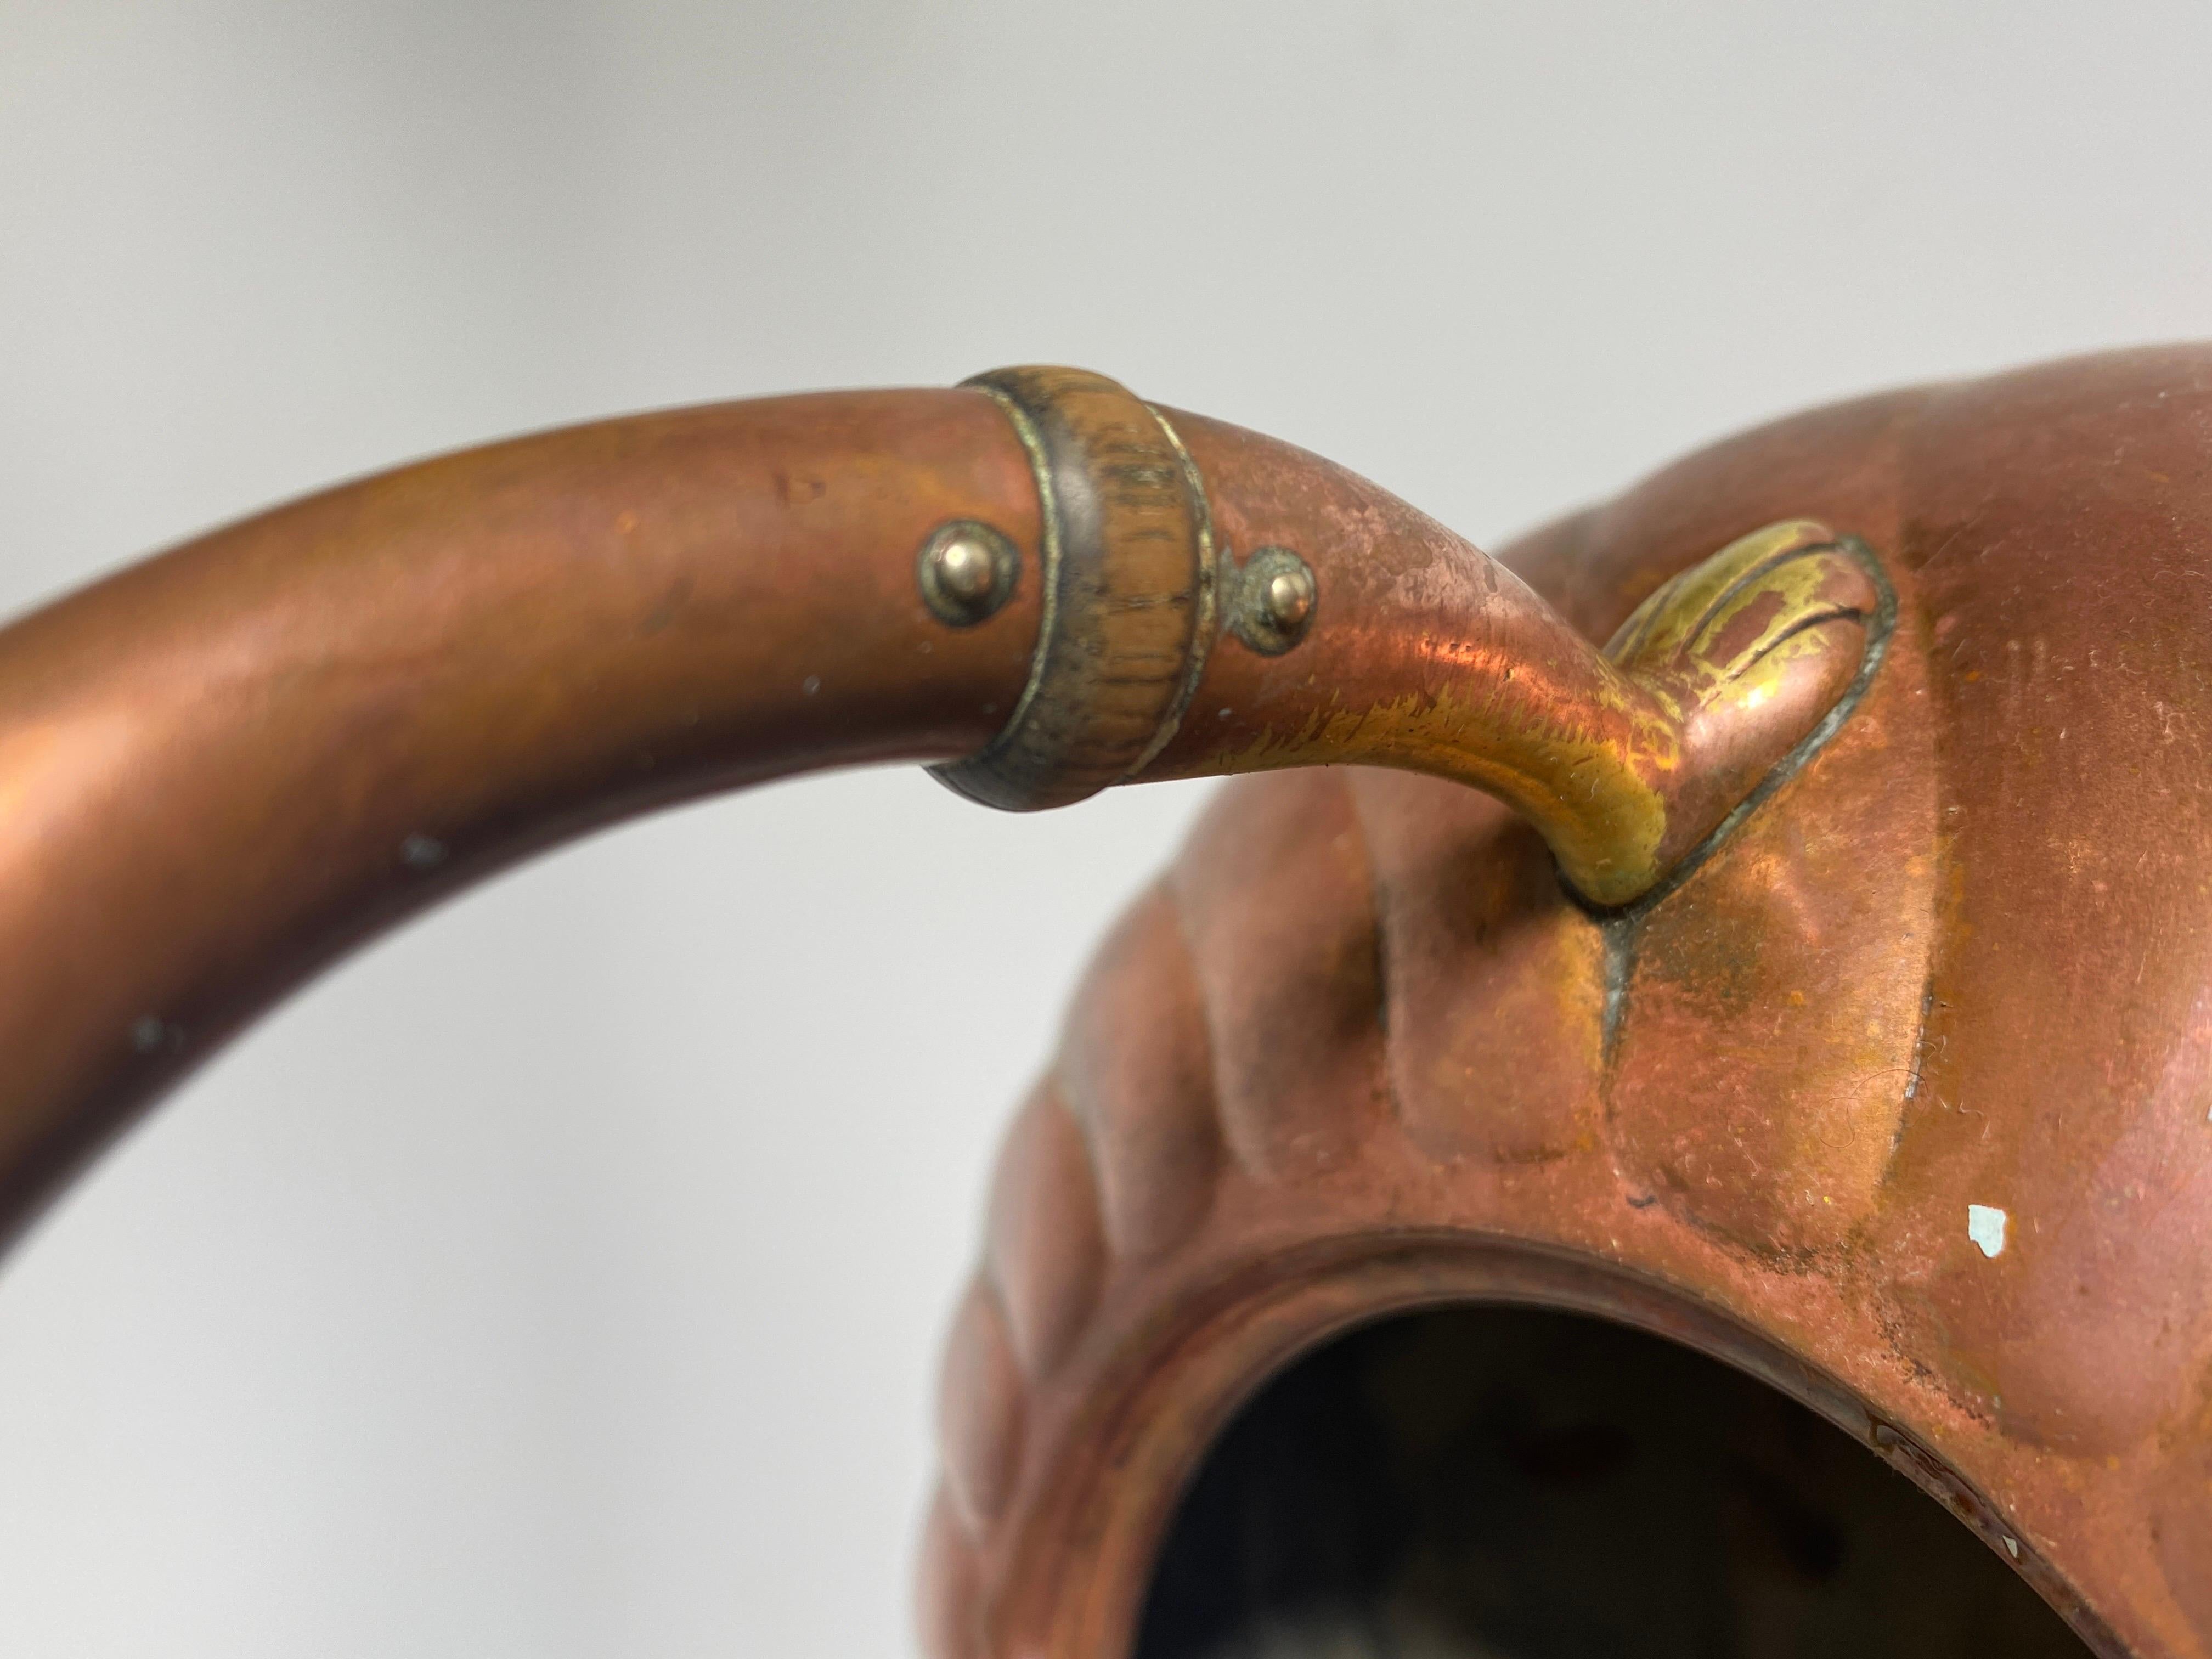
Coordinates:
1128 603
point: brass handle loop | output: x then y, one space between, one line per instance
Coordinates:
1128 603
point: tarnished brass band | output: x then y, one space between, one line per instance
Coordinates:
1129 609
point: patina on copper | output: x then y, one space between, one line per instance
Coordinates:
1866 1043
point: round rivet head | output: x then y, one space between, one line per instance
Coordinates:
1290 598
967 571
1272 601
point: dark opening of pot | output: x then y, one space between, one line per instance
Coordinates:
1506 1483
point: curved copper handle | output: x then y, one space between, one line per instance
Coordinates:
1408 646
224 766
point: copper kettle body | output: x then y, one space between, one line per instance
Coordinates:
1767 913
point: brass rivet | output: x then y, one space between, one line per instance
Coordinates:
1290 598
1272 601
964 568
967 572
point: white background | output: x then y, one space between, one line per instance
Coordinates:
563 1276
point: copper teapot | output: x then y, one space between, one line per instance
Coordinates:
1707 1005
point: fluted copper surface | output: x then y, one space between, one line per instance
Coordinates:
1900 1100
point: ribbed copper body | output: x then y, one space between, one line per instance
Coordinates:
1358 1051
